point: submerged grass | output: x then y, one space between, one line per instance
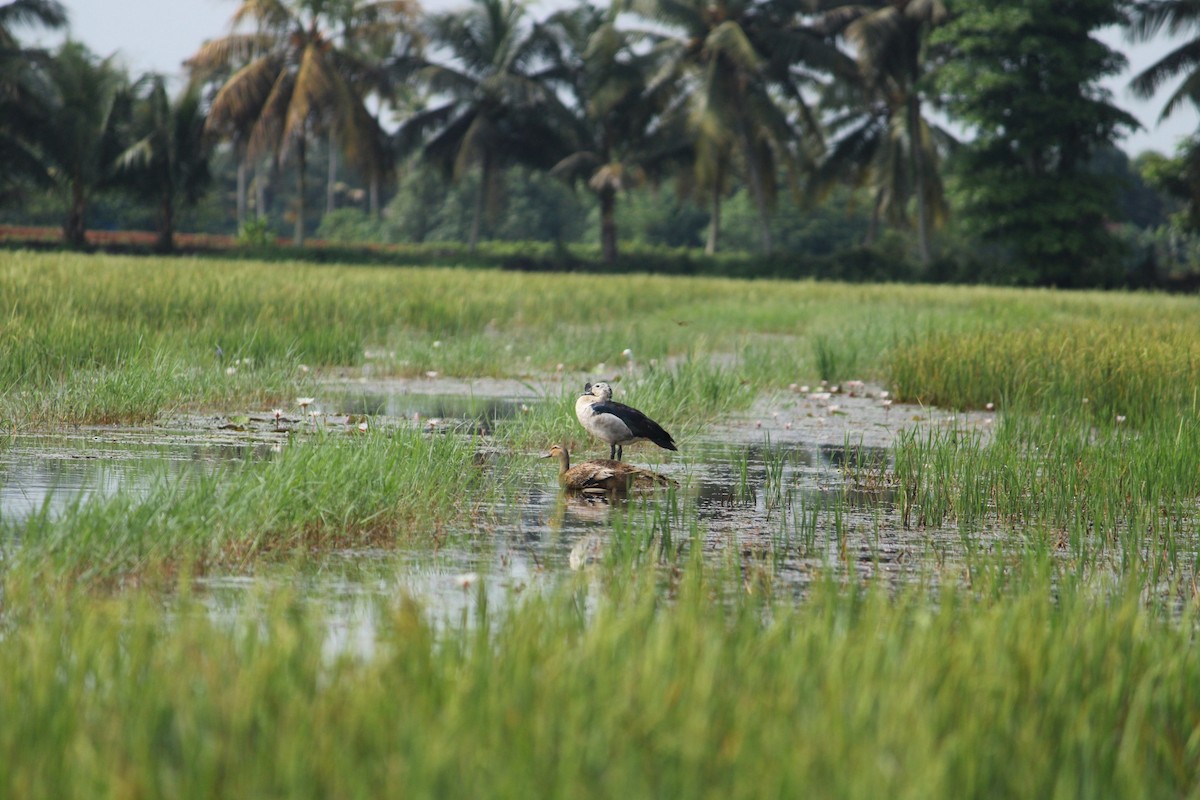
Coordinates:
1028 691
332 490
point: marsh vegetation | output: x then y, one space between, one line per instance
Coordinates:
980 582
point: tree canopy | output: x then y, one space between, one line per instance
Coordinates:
797 127
1025 76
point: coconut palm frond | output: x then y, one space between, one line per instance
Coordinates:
1183 60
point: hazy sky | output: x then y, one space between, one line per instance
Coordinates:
159 34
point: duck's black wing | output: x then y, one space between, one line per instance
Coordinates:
640 426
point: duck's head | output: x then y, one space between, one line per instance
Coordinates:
599 390
559 452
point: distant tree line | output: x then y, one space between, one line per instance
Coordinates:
787 128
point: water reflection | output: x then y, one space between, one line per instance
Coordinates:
52 473
754 498
762 476
787 509
466 413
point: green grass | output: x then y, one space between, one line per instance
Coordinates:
97 339
330 491
1042 645
1020 691
1141 368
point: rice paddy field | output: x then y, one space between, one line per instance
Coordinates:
283 531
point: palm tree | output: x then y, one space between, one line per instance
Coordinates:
15 13
735 63
291 77
169 159
377 32
88 100
869 147
890 40
1176 16
23 107
622 136
493 105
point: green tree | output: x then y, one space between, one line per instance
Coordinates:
494 106
1176 16
290 78
88 101
623 137
736 68
1025 76
371 35
882 138
416 210
1177 180
1148 19
18 13
23 92
167 162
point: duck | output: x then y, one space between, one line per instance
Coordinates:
603 476
616 423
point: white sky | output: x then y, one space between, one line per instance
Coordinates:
159 34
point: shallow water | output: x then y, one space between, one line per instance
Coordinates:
52 472
49 473
781 492
462 413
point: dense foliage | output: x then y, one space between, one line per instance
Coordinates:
1025 77
787 129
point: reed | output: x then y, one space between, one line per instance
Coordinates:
332 490
854 691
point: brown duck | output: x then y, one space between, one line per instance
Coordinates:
603 476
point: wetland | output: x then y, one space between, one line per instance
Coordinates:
285 530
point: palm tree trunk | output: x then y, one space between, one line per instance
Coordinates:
75 229
243 170
714 222
261 177
298 238
485 176
373 197
241 193
331 181
918 167
873 223
608 224
756 184
166 223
